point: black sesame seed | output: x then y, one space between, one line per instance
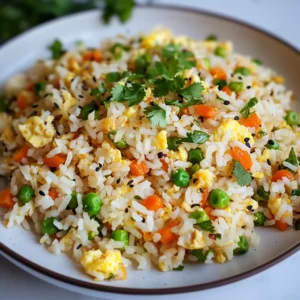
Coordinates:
79 246
160 155
74 179
35 106
199 74
248 87
240 78
130 182
248 145
42 193
249 207
271 142
84 85
131 186
195 180
194 205
231 74
56 105
246 139
97 169
80 96
253 134
5 149
268 162
143 220
201 190
118 180
271 93
94 78
236 118
126 210
63 88
100 165
80 107
58 133
46 95
201 119
45 123
226 102
72 79
180 96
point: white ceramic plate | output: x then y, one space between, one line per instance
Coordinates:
22 247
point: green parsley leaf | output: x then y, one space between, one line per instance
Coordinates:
38 87
117 50
121 9
176 84
112 276
115 76
99 90
197 137
169 50
243 177
246 110
142 63
174 142
295 193
207 226
186 60
179 268
56 49
3 104
193 92
159 69
200 255
160 87
117 93
156 115
243 246
292 159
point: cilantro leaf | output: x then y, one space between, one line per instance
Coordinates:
169 50
115 76
186 60
159 69
38 87
179 268
246 109
197 137
176 84
292 159
142 63
56 49
99 90
193 92
121 9
117 93
207 226
243 177
182 104
160 87
135 94
156 115
200 255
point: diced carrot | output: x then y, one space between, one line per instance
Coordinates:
93 55
21 102
97 55
167 236
147 236
53 193
282 226
108 226
252 121
55 161
227 90
204 200
20 154
283 173
153 203
209 211
6 199
206 111
164 165
185 111
138 169
218 73
30 87
242 156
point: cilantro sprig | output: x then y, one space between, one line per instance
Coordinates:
243 177
246 111
157 115
200 254
292 159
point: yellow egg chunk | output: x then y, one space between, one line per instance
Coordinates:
107 263
156 37
237 131
161 140
205 179
38 132
107 124
194 240
130 112
274 205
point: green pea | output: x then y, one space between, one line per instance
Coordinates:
195 168
243 246
221 51
48 226
206 63
195 156
297 225
91 235
121 236
173 143
121 144
272 144
200 216
218 199
261 194
73 204
91 203
26 194
236 86
259 218
242 70
292 118
87 109
181 178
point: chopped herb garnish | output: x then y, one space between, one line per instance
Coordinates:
211 38
115 76
38 87
193 92
157 115
262 133
87 109
169 50
295 193
197 137
121 9
56 49
3 104
257 61
207 226
179 268
112 276
220 83
99 90
218 235
142 63
246 110
200 255
292 159
137 197
243 177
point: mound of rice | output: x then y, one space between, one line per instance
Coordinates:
120 121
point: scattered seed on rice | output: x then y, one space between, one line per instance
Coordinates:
79 246
56 105
42 193
268 162
236 118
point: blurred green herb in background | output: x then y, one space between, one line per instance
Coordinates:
16 16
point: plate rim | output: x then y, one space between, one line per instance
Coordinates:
156 291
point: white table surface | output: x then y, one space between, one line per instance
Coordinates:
281 17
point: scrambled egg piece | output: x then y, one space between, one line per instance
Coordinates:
192 240
251 202
107 263
274 205
156 37
258 175
205 179
265 155
123 190
114 154
6 132
108 124
278 79
130 112
37 131
69 101
183 154
220 258
238 131
161 140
